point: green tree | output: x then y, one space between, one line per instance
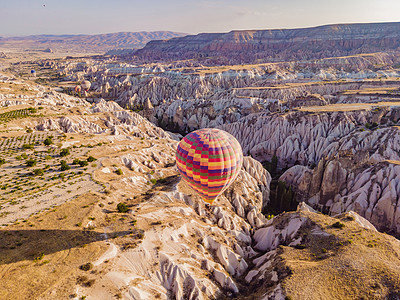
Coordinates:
38 172
48 141
64 166
83 163
31 162
91 159
122 208
64 152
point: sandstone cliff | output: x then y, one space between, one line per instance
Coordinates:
278 45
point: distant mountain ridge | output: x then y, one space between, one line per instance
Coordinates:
87 43
278 44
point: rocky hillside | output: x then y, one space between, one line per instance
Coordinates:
100 43
251 46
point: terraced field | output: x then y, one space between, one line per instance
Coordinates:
37 173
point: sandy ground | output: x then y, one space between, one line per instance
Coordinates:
49 198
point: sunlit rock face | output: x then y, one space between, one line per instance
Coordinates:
278 45
360 173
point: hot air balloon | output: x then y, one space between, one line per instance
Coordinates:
33 72
86 85
77 90
209 160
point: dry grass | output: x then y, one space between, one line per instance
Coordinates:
395 162
372 91
64 245
352 263
348 107
16 89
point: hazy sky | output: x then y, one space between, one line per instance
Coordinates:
25 17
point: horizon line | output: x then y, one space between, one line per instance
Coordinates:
185 33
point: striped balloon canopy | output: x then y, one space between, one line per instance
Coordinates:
209 160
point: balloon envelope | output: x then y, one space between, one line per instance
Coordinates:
209 160
86 84
33 71
77 88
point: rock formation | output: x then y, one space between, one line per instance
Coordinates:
248 46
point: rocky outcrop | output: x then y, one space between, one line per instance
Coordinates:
204 258
294 137
221 251
108 117
362 175
204 251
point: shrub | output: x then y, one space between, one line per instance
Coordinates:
48 141
2 161
91 159
140 235
338 225
64 166
269 217
122 208
27 146
75 161
64 152
39 257
86 267
31 162
119 172
38 172
47 157
83 163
